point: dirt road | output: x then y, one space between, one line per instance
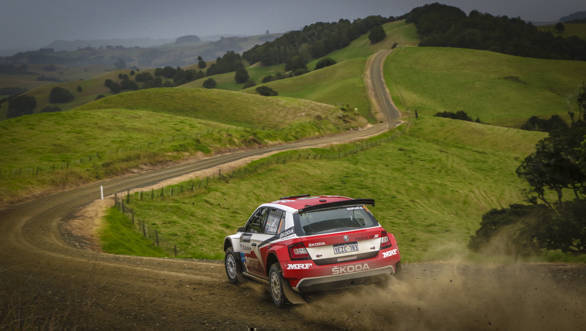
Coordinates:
44 282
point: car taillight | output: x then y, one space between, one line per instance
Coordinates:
298 252
385 242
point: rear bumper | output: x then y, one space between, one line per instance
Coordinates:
331 282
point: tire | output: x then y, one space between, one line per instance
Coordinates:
233 267
276 286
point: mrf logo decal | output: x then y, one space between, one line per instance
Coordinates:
350 269
299 266
392 252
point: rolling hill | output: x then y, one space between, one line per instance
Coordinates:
108 137
497 88
431 184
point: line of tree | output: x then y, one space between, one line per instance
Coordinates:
163 77
556 217
459 115
442 25
231 61
313 41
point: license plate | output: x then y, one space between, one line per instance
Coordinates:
345 248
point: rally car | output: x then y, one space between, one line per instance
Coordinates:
303 243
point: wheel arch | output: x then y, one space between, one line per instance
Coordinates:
228 243
271 259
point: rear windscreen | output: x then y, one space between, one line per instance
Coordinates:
335 220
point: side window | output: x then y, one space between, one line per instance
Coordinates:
273 221
256 222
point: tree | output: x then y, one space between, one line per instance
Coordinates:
113 86
377 34
79 89
60 95
266 91
560 27
50 109
327 61
200 62
21 105
209 83
295 62
241 75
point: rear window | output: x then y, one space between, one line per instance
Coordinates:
335 220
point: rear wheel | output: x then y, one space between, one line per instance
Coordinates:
276 285
233 268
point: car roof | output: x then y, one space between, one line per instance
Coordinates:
302 202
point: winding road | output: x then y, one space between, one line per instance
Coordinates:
44 281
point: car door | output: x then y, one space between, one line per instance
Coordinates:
250 240
263 228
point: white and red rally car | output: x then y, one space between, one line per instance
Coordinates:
305 243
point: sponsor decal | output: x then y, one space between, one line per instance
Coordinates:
392 252
287 233
245 247
299 266
321 243
338 270
346 238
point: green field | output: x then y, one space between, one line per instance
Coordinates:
571 29
497 88
432 184
112 135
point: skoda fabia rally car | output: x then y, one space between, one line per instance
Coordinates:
307 243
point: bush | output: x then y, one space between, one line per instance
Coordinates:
325 62
200 62
535 123
143 77
268 78
79 89
241 75
249 83
377 34
294 63
209 83
459 115
21 105
50 109
60 95
113 86
298 72
266 91
99 96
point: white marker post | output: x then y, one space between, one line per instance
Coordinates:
102 192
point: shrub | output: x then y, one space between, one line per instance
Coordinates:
298 72
459 115
99 96
50 109
209 83
325 62
79 89
113 86
377 34
241 75
266 91
60 95
535 123
268 78
21 105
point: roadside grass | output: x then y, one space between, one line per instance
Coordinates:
235 108
57 150
432 184
497 88
571 29
119 237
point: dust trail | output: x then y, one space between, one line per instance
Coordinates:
456 296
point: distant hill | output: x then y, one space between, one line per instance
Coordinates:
189 39
577 16
170 54
72 45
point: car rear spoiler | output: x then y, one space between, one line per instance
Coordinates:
352 202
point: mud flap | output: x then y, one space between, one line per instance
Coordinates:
293 297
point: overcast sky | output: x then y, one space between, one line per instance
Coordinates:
35 23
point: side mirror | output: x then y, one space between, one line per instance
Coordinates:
242 229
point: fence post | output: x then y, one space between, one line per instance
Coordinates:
127 196
143 229
101 192
157 237
175 250
132 216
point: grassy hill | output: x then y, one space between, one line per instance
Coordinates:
571 29
432 185
43 151
499 89
341 84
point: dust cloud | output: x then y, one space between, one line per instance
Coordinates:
461 296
